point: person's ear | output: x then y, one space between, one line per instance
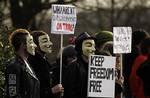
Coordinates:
23 46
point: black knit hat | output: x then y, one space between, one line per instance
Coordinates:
80 39
69 51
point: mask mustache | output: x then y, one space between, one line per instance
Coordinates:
48 46
91 51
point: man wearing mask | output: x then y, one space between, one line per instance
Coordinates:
42 67
85 46
21 81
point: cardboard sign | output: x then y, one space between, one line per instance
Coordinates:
122 37
63 19
101 76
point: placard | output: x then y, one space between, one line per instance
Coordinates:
101 76
63 19
122 37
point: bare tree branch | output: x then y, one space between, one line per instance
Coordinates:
47 6
121 10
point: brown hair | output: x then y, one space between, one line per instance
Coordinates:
18 37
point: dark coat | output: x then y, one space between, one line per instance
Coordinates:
143 72
70 79
83 77
42 69
127 63
20 81
83 66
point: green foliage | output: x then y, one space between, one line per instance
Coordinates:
5 55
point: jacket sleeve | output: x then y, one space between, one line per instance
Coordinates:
12 82
72 83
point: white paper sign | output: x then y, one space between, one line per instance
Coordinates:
101 76
122 37
63 19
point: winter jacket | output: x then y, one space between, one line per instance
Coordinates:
21 81
42 69
70 79
143 72
136 84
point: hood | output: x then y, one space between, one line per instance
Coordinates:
78 42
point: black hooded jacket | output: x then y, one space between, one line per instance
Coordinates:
83 66
42 69
70 73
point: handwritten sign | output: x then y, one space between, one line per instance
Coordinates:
63 19
122 39
101 77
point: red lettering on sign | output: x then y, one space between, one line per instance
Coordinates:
68 27
59 26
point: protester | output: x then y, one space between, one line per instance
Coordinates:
85 46
69 72
21 81
136 83
143 70
128 59
42 67
108 47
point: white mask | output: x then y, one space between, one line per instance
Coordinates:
31 45
45 43
88 47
